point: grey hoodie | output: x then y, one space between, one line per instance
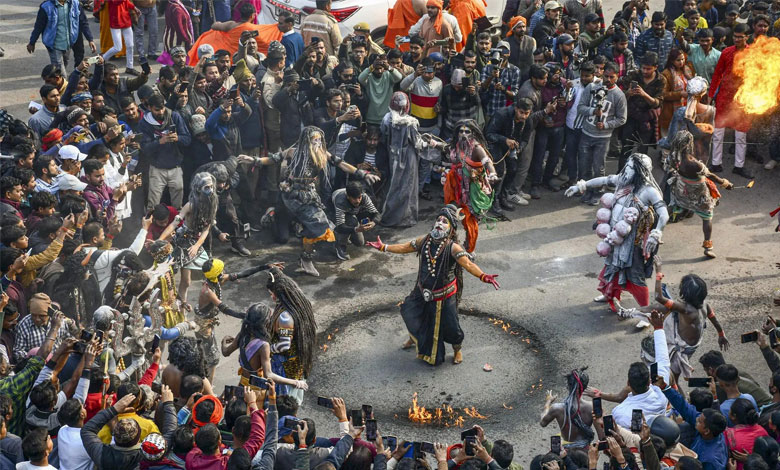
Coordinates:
613 111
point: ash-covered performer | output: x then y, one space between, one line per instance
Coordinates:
210 304
293 334
469 180
575 415
431 310
199 218
692 185
638 207
684 321
305 173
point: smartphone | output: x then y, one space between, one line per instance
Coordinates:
653 371
86 336
229 393
155 343
325 402
357 417
773 338
467 433
305 84
146 68
291 423
390 442
427 447
234 94
371 430
597 408
636 421
634 84
92 60
609 425
368 411
465 82
259 382
468 445
79 347
603 445
99 335
555 444
253 34
404 40
750 337
441 42
365 221
699 382
238 392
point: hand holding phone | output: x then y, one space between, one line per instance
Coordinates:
751 337
371 430
259 382
636 421
598 410
325 402
469 445
555 444
609 425
357 418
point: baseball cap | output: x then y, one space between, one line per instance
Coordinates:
565 39
71 152
732 8
592 18
552 5
503 45
68 182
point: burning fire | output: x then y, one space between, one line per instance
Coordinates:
759 68
445 415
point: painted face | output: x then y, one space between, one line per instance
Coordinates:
316 141
441 228
464 133
628 173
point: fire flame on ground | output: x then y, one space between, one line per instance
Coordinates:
445 415
758 66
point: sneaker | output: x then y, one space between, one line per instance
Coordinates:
506 205
536 192
741 171
716 168
341 253
516 199
237 246
132 72
600 299
770 165
525 195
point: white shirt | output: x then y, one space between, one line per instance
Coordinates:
103 264
653 402
114 179
28 466
73 455
571 114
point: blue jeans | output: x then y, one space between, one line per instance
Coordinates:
548 139
572 150
58 57
592 154
148 16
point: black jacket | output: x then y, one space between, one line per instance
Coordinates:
502 126
292 111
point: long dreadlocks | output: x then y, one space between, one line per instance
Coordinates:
290 298
577 381
203 205
464 149
308 154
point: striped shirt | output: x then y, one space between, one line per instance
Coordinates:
344 207
423 97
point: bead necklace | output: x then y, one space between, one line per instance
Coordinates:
431 259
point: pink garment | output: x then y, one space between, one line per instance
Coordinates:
258 4
742 437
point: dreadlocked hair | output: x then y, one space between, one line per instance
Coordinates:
452 238
577 381
203 207
255 324
290 298
305 155
129 260
186 354
477 137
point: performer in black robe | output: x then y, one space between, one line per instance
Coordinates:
431 310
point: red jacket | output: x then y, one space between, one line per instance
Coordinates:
94 402
196 460
119 13
726 84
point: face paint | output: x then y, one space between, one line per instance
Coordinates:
440 228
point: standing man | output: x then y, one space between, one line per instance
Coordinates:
322 24
547 28
703 57
656 39
431 310
60 22
147 10
521 46
291 39
378 81
723 88
434 27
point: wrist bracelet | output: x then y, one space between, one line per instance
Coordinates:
383 247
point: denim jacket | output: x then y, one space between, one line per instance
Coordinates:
46 23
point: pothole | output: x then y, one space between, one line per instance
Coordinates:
360 360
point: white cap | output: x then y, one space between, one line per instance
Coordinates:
71 152
552 5
68 182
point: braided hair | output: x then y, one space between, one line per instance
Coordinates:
289 297
577 381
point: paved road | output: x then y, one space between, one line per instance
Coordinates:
547 264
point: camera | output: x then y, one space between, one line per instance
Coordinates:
598 97
495 56
359 40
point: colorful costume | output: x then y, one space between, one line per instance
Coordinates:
468 183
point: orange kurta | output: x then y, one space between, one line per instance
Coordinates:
399 19
229 40
106 42
466 11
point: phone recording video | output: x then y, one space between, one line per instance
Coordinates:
751 337
155 343
653 371
598 410
609 425
468 445
371 430
390 442
368 411
699 382
325 402
427 448
555 444
357 417
259 382
636 421
468 432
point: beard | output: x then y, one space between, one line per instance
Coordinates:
438 234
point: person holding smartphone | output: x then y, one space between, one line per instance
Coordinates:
355 215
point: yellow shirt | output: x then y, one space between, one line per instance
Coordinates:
147 427
682 23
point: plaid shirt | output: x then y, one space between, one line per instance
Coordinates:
648 41
29 336
17 387
494 99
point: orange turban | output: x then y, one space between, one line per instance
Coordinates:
513 22
216 416
437 22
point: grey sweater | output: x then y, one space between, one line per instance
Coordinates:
613 111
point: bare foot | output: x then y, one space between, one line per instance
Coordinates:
408 344
458 357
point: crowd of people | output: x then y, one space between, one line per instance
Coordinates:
117 188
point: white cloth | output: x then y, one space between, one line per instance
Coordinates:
73 455
113 179
450 19
653 402
116 36
571 114
103 264
740 139
28 466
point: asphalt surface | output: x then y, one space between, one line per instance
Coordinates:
547 268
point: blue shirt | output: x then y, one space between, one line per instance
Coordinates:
293 44
725 407
712 453
62 38
648 41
